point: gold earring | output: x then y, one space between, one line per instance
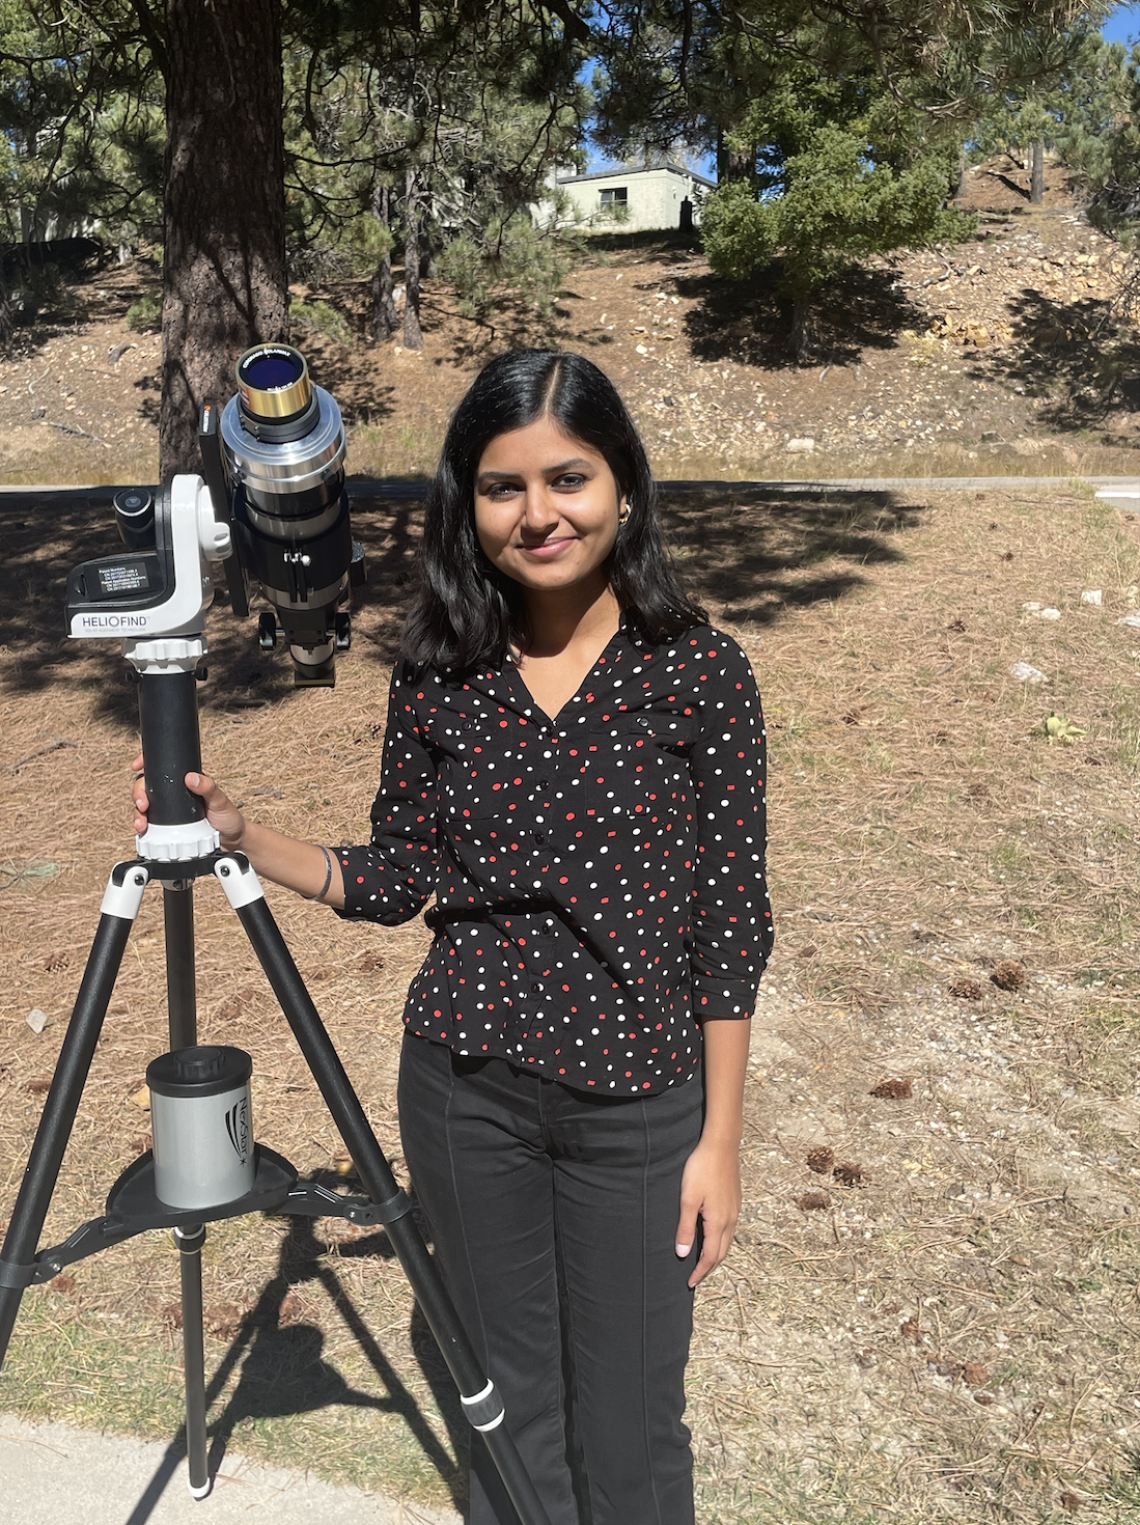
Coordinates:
624 511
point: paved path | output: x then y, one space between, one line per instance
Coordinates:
53 1475
409 488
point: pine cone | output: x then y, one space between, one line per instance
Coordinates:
894 1089
813 1202
1008 974
849 1173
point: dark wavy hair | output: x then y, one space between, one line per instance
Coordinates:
465 612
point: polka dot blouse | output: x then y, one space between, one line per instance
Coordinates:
598 878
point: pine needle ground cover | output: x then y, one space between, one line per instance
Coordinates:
931 1313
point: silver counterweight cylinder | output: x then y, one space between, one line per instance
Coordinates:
202 1125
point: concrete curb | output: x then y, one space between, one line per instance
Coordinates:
52 1473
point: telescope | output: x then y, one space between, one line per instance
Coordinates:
271 508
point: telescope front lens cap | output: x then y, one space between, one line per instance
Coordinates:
273 381
133 501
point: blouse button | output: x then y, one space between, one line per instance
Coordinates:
540 837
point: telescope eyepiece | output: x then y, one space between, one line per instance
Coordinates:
273 383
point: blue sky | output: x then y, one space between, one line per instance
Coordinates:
1123 25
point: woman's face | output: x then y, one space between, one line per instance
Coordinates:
546 507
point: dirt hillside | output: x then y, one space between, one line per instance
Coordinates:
993 356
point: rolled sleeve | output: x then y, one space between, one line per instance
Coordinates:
392 878
731 913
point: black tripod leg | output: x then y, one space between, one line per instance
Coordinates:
481 1402
190 1242
181 1002
120 907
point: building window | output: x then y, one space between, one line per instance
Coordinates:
618 197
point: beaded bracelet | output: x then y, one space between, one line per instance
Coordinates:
324 889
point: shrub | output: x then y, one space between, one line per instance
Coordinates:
144 315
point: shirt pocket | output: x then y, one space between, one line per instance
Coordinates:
458 748
638 762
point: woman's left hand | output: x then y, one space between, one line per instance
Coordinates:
710 1191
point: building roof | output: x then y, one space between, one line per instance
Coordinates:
623 172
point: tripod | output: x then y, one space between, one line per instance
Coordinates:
180 847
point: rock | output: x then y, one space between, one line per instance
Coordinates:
1092 596
1130 619
1025 673
36 1019
800 446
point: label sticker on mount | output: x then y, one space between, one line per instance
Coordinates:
124 577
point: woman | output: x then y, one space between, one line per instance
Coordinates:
573 766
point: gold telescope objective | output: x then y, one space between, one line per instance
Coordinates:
273 380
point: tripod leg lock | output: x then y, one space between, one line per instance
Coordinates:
124 891
388 1211
18 1277
485 1410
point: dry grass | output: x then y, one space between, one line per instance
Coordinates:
950 1335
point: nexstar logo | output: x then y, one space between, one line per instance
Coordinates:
113 621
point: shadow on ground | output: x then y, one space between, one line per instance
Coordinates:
748 552
1076 356
748 322
281 1370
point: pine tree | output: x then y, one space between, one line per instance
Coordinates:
837 128
432 134
1062 93
843 173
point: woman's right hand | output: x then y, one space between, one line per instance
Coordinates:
221 812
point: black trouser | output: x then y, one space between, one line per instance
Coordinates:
554 1213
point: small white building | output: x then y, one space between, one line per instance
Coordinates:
631 200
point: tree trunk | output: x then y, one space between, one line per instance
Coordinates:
224 276
1037 173
734 163
960 187
383 298
801 334
413 334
